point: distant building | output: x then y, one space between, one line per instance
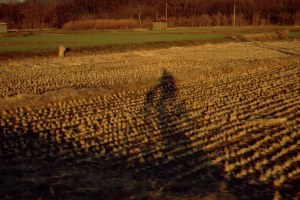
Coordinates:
162 25
3 27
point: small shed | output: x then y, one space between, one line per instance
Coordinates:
3 27
162 25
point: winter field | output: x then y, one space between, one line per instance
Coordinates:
214 121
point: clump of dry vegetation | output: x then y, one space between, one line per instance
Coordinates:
258 37
283 34
226 115
98 24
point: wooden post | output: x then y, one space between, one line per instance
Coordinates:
61 51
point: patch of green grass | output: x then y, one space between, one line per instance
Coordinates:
93 39
294 34
51 39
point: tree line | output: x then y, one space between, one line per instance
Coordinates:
55 13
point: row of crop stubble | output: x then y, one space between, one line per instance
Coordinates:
246 125
38 76
214 113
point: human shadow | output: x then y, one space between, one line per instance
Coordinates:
180 157
168 110
184 167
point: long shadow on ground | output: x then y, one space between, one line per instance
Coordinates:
167 165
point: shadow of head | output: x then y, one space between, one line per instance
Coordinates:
167 85
164 90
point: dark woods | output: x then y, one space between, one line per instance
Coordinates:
55 13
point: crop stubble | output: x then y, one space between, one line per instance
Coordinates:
213 119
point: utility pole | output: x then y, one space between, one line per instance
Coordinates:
166 15
234 14
166 11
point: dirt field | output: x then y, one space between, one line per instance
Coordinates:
217 121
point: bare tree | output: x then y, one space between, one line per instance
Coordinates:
41 13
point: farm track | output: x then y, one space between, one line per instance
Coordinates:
231 133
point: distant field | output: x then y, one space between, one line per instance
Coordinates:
95 39
49 40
